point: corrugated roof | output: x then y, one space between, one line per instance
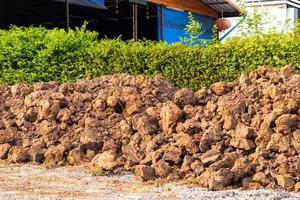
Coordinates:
227 8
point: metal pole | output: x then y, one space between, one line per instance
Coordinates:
68 13
135 21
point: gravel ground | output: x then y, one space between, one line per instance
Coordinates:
37 182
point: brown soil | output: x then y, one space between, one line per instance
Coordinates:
230 135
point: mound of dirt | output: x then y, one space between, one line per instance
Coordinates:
230 135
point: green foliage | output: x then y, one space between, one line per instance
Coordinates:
296 29
194 31
37 54
254 23
260 21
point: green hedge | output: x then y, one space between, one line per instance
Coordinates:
37 54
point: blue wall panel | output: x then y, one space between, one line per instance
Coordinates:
175 21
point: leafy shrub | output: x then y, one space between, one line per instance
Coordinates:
37 54
193 33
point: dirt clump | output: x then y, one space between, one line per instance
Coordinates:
230 135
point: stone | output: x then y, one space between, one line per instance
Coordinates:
197 167
92 146
64 115
48 109
296 144
229 123
90 155
144 125
170 114
105 160
246 181
210 108
297 187
284 167
8 136
113 102
90 122
31 115
210 136
4 148
133 107
184 97
99 104
162 169
201 93
287 71
153 111
261 178
296 135
173 176
263 136
204 178
220 179
132 154
244 80
20 90
278 143
287 123
89 135
38 157
157 155
125 128
272 91
243 131
18 154
195 164
186 141
242 143
49 129
227 161
219 88
186 165
211 159
55 155
285 181
26 142
172 154
228 107
241 168
190 126
76 157
145 172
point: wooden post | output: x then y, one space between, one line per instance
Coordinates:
135 21
67 14
160 23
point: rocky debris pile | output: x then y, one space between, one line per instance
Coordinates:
230 135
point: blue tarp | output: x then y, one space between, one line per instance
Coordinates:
89 3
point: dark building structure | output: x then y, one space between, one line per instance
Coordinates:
152 19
